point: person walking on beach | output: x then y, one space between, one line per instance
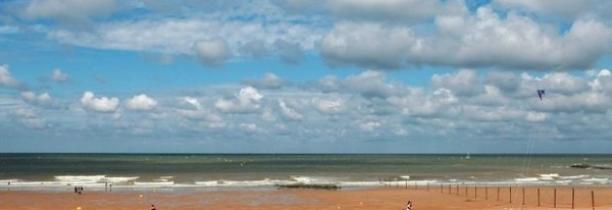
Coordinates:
408 205
153 207
75 189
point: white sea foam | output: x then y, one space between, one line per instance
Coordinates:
582 176
548 176
595 181
245 183
314 180
80 179
99 181
154 184
120 179
527 179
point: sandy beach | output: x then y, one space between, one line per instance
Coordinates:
367 199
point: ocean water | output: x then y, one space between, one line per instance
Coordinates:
208 171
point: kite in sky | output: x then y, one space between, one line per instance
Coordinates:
541 93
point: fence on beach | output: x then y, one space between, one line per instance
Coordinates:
567 197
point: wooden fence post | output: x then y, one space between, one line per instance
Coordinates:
457 189
555 198
523 189
572 198
510 194
592 200
498 193
538 196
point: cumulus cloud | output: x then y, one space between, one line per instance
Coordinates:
247 100
248 127
463 82
369 125
193 102
69 10
288 112
387 34
405 11
269 81
213 51
198 113
58 76
42 99
5 77
370 84
576 104
141 102
179 36
99 104
329 106
30 119
371 45
568 9
482 40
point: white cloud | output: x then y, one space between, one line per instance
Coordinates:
179 35
481 40
193 102
368 44
369 125
568 9
329 106
5 77
43 98
100 104
59 76
247 100
249 127
213 51
69 10
370 84
288 112
269 81
463 82
30 119
141 102
400 11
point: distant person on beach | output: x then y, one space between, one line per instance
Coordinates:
76 189
153 207
408 205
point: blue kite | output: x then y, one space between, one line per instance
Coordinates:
541 93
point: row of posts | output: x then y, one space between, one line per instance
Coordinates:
498 190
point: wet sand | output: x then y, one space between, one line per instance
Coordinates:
302 199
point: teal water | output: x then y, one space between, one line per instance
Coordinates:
211 170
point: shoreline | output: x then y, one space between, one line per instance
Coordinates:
276 199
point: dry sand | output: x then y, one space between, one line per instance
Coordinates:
367 199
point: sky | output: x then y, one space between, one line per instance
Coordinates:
306 76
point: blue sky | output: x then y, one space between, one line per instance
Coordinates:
305 76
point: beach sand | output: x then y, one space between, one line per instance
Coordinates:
303 199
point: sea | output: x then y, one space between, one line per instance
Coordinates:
267 171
